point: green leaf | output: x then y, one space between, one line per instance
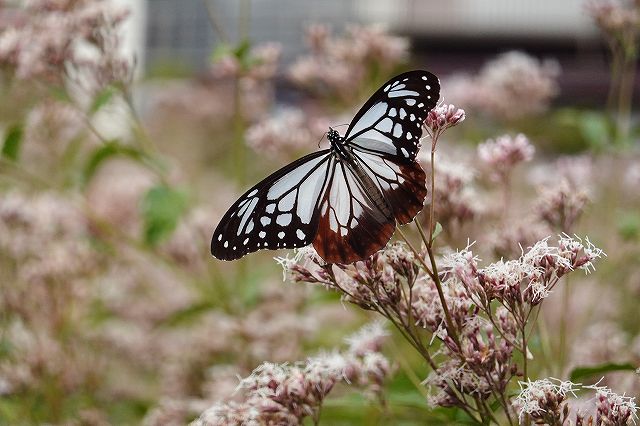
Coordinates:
436 231
106 151
220 51
162 207
101 99
579 373
595 129
242 51
629 225
12 142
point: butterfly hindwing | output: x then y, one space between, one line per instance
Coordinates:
278 212
351 225
401 183
391 120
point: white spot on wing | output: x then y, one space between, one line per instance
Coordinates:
399 93
397 130
292 178
264 220
385 125
284 219
300 234
287 202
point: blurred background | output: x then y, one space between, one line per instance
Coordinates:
129 126
455 36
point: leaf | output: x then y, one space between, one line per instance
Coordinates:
12 142
594 127
220 51
579 373
106 151
629 225
436 231
162 207
101 99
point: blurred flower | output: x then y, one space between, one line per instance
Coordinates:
618 19
502 84
632 176
50 129
58 40
289 131
601 342
501 155
456 201
115 194
577 170
561 205
260 63
509 239
339 66
286 394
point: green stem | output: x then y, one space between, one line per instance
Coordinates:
433 191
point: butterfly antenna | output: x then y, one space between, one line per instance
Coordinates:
320 141
346 124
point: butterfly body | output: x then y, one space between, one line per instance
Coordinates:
345 153
348 199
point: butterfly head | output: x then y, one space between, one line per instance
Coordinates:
333 136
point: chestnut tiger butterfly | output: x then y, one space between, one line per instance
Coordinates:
345 200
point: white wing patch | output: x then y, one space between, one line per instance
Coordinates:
371 117
347 200
291 179
381 170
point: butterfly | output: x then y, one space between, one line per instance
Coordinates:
346 199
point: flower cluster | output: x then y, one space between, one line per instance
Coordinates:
286 132
502 84
543 400
528 279
286 394
260 63
338 66
561 205
618 19
454 306
501 155
57 40
441 118
456 201
546 402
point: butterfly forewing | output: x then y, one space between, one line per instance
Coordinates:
279 212
351 225
391 120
